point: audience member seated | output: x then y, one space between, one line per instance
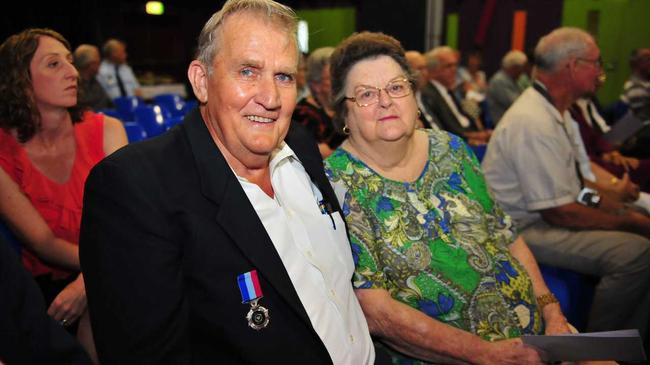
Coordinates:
636 94
472 77
115 75
47 147
27 334
472 85
440 101
531 165
314 111
636 91
91 93
301 82
440 272
504 88
221 242
591 124
418 66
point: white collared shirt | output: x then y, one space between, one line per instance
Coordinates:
586 104
464 122
315 251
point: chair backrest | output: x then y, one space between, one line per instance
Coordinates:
173 103
9 237
151 118
113 113
126 105
134 131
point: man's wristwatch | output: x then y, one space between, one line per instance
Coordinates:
588 197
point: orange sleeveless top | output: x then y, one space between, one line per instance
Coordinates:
59 204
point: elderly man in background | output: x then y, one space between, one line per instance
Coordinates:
220 242
115 75
440 101
314 111
636 91
503 88
91 93
418 66
532 167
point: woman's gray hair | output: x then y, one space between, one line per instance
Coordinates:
560 45
279 14
316 62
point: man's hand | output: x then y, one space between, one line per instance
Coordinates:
624 189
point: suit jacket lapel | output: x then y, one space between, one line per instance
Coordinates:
236 215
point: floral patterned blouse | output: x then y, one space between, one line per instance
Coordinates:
439 244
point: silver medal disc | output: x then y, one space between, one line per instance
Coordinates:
258 317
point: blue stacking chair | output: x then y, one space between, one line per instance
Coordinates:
152 119
574 291
172 103
189 105
479 151
10 238
112 113
134 131
126 106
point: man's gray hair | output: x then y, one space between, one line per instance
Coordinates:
559 46
83 55
279 14
316 62
432 58
109 47
514 58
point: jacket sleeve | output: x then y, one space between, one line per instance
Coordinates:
132 268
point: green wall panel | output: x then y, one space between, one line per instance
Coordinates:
622 25
452 30
328 27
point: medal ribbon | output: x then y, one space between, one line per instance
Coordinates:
249 286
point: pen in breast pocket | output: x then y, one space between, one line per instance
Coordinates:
326 208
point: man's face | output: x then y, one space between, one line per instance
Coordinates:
418 65
587 70
251 92
445 72
643 63
119 54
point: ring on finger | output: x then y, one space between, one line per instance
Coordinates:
64 322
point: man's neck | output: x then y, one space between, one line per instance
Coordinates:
561 95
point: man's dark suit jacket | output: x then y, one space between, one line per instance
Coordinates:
166 230
437 106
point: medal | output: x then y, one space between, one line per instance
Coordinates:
251 292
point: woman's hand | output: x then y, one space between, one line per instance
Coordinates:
70 304
554 320
512 351
617 159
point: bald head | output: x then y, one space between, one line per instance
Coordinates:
559 46
86 59
514 63
115 51
442 63
418 66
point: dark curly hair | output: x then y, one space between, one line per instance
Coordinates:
18 108
355 48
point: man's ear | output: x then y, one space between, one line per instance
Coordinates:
197 73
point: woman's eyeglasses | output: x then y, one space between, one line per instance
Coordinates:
368 95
